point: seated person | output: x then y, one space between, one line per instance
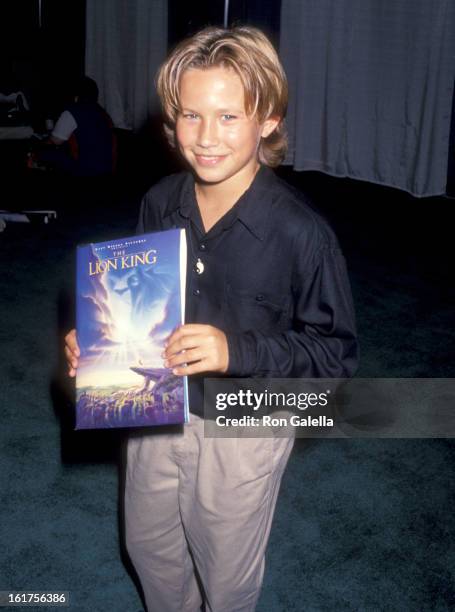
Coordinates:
83 136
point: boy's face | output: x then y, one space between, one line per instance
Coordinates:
214 133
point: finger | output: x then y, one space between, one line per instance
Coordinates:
176 335
185 357
182 343
71 342
71 359
187 329
192 368
173 338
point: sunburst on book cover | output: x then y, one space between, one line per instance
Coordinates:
130 296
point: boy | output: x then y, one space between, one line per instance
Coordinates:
267 296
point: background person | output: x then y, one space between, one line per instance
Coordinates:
83 136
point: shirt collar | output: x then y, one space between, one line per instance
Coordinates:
252 208
254 205
183 199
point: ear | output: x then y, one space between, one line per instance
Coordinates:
269 126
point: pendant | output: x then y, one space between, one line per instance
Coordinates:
199 266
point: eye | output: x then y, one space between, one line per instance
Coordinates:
190 116
227 117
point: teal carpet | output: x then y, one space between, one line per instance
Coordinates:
361 525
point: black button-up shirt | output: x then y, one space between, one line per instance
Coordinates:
269 273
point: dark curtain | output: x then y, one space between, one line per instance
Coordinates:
184 20
264 14
371 87
125 44
450 190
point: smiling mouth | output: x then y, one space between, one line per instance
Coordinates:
209 160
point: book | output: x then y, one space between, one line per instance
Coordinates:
130 296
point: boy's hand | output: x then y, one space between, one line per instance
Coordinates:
194 348
72 352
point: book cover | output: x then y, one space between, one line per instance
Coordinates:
130 297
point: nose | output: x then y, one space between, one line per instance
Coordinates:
208 133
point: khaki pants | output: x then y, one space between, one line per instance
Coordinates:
204 504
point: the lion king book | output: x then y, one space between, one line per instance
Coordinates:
130 296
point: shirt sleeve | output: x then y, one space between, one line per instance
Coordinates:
322 342
65 126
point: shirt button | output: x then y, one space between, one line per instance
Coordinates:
196 292
202 247
260 297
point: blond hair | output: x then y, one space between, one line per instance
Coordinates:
247 51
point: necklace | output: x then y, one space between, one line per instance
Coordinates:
199 266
